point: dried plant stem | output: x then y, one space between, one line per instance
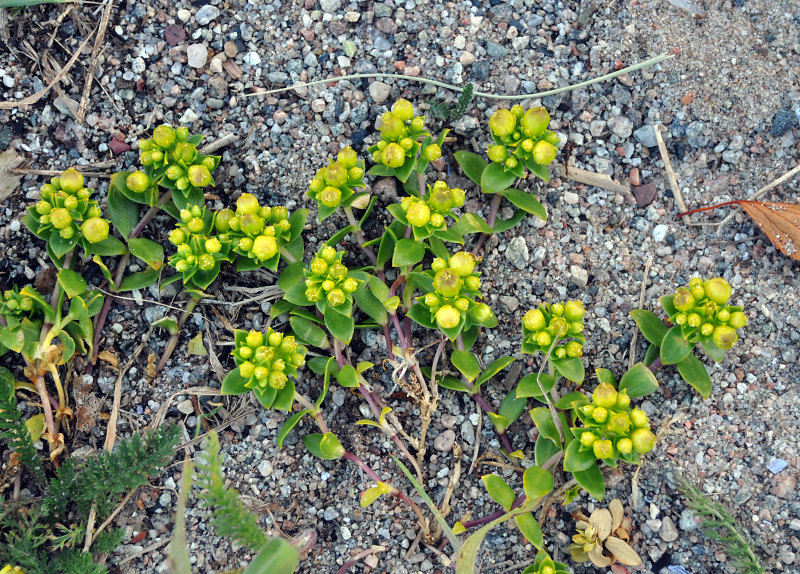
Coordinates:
673 183
173 340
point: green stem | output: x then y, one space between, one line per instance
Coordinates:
603 78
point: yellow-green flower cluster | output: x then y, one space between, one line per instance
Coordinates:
65 209
400 130
522 137
267 360
16 304
551 323
456 285
546 565
430 212
612 428
257 232
197 248
327 278
334 184
171 156
702 310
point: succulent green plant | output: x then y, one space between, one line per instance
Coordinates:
334 186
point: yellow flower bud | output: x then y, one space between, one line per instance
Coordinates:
448 317
71 180
502 123
534 320
95 229
544 153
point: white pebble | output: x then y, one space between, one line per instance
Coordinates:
14 225
197 55
660 232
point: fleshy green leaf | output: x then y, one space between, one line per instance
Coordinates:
538 170
72 283
711 349
139 280
499 490
407 252
277 557
650 325
576 459
606 376
674 347
544 450
572 400
370 304
421 315
668 305
287 427
348 377
296 294
148 251
466 363
591 480
530 529
471 223
284 398
326 447
495 178
308 332
291 275
495 367
528 386
265 396
339 325
544 422
110 246
511 407
501 225
233 383
571 368
526 201
168 323
471 164
694 373
638 381
123 212
537 482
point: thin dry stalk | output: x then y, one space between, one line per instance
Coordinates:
673 182
98 44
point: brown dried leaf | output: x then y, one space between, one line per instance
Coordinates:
781 223
622 552
617 513
601 520
598 558
109 357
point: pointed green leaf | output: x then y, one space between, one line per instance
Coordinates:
123 212
537 483
277 557
694 373
538 170
421 315
544 423
233 383
650 325
591 480
407 252
148 251
110 246
340 326
326 447
530 529
139 280
265 396
606 376
511 407
499 490
668 305
495 367
638 381
287 427
168 323
471 164
466 363
72 283
501 225
370 304
571 368
308 332
529 387
674 347
348 377
471 223
526 201
544 450
284 398
576 459
711 349
495 178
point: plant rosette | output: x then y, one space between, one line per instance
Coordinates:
198 252
428 216
171 159
24 310
334 186
399 148
256 232
554 325
66 217
701 310
265 365
449 300
522 140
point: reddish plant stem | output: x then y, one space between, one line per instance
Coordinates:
399 328
699 209
120 273
655 365
494 515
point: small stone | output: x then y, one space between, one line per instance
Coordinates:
352 17
445 441
252 58
265 468
330 6
318 105
230 49
8 81
386 25
571 197
184 15
381 10
215 66
495 50
644 194
634 176
695 136
579 276
511 303
138 66
660 232
186 407
206 14
174 34
118 146
668 531
689 520
784 486
742 496
731 156
620 126
14 226
783 121
517 252
379 92
646 135
189 116
346 534
196 55
776 465
330 514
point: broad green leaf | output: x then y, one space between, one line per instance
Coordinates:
543 420
287 427
538 170
500 422
495 178
471 223
291 275
329 369
526 201
371 305
78 309
471 164
148 251
421 315
94 301
373 493
35 426
544 450
296 294
530 529
571 368
537 483
606 376
72 283
652 354
378 288
139 280
407 252
674 347
638 381
404 171
668 305
711 349
326 447
495 367
233 383
60 246
277 557
499 490
576 459
591 480
694 373
450 382
511 407
7 383
110 246
265 396
501 225
529 387
123 212
466 363
348 377
339 325
308 332
284 398
650 325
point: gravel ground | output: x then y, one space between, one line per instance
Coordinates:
730 100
